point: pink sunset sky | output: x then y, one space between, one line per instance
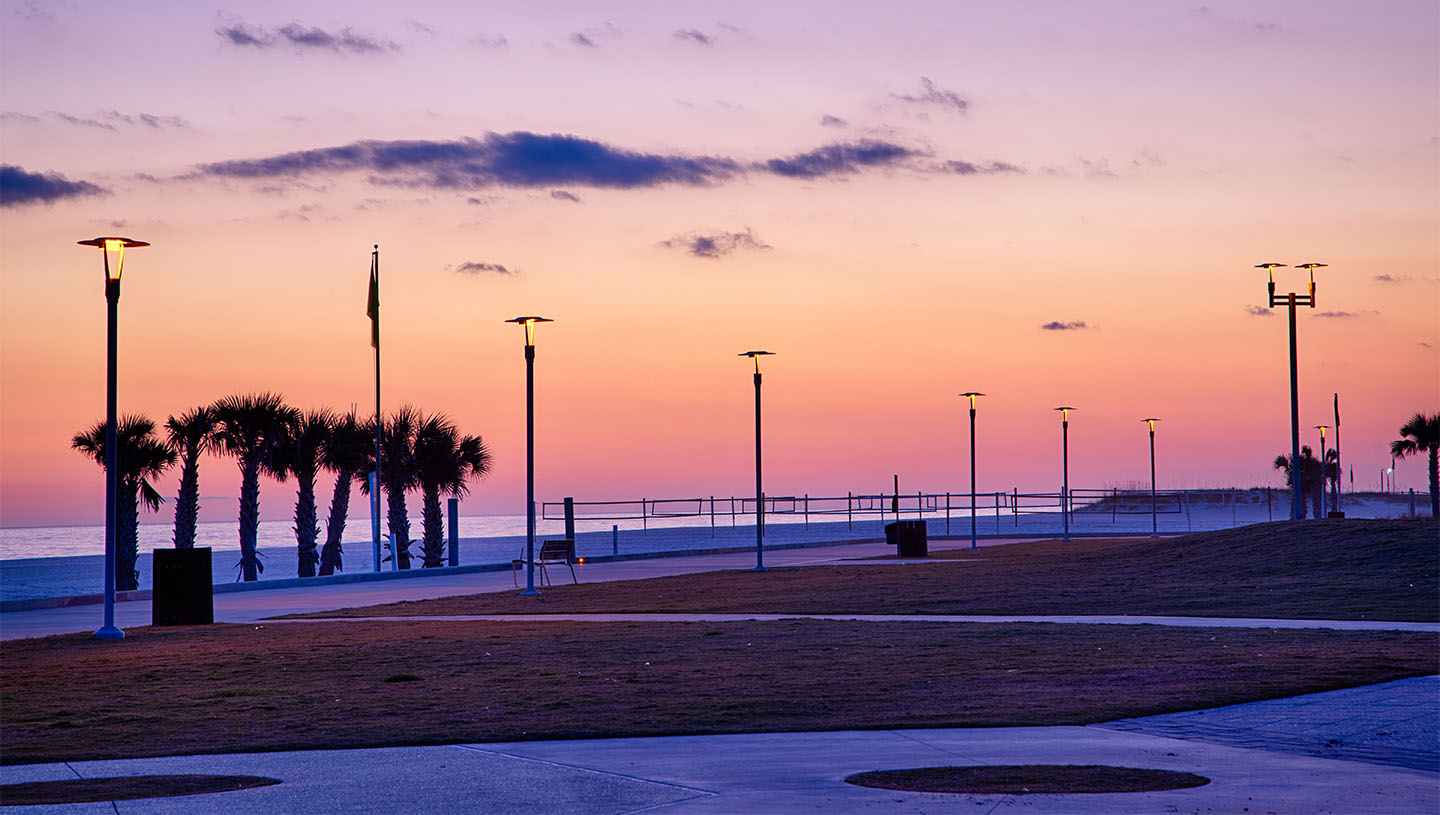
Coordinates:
1050 202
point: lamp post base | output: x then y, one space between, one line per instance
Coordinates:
109 632
759 569
530 593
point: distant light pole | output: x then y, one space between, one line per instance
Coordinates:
1322 428
111 247
1154 518
971 396
529 323
759 490
1065 467
1292 300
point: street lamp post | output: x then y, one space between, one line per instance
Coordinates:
529 323
1065 467
1154 518
1322 428
971 396
111 247
1292 300
759 490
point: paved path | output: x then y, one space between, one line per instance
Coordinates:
1397 723
805 772
1096 619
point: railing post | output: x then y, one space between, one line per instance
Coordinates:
807 512
1015 507
570 519
614 539
644 522
947 513
849 518
712 516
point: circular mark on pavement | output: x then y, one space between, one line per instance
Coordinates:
1027 779
124 788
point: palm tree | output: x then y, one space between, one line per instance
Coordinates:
188 436
444 461
301 458
1422 435
397 475
253 429
139 457
345 455
1311 478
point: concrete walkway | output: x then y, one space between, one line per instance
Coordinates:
805 772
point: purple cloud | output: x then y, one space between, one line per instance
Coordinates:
1073 325
716 245
933 95
20 188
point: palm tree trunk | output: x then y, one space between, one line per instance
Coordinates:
330 554
250 566
127 536
434 546
399 521
307 527
1435 483
187 503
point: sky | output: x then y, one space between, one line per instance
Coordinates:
1053 203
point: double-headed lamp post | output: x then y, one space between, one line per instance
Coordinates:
759 490
529 324
1292 300
1065 467
971 396
112 251
1322 428
1154 518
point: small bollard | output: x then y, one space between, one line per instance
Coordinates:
454 507
614 539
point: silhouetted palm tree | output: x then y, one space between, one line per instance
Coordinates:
189 435
443 462
1311 478
139 457
1421 434
253 429
301 457
397 475
345 455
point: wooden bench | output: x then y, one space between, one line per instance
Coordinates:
552 552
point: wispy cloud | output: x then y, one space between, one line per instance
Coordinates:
833 121
304 38
19 187
485 41
841 159
592 37
564 195
1389 278
481 268
693 35
1057 325
932 94
716 245
1259 311
969 168
1337 315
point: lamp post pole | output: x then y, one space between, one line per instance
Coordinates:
971 396
1323 498
759 489
108 246
529 324
1065 468
1154 517
1292 300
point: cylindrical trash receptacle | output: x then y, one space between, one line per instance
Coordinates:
909 538
182 593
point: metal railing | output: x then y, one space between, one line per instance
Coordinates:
951 506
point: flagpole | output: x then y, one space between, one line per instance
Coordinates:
372 309
1338 471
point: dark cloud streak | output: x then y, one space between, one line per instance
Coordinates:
480 267
1073 325
716 245
304 37
933 95
20 188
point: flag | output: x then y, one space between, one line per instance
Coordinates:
372 308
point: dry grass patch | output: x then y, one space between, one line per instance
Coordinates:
288 686
1350 569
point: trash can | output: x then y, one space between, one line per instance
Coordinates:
908 537
182 593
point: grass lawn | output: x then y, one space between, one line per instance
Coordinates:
1342 569
283 686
